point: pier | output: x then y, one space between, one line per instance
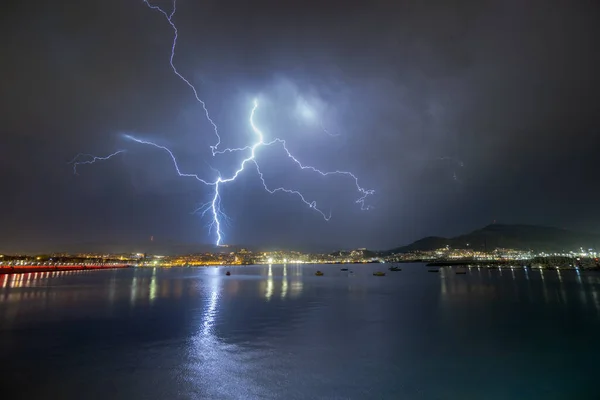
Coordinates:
21 269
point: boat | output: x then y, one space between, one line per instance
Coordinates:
319 273
461 272
378 273
395 269
433 270
227 273
344 269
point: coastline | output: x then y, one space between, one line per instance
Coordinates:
6 269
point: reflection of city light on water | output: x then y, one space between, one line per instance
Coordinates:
596 301
563 293
593 292
112 289
16 281
296 288
544 287
442 275
133 290
268 285
444 288
284 283
153 286
269 291
582 294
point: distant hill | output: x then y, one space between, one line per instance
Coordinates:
523 237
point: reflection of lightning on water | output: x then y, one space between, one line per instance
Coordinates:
210 313
214 207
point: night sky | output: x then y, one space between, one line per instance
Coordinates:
456 113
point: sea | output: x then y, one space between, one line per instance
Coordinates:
281 332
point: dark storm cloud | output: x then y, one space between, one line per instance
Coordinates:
456 113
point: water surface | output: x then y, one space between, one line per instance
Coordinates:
282 332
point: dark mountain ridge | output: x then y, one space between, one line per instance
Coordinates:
521 237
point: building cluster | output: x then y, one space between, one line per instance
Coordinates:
247 257
449 254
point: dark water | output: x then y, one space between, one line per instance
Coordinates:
281 332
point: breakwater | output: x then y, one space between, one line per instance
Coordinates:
21 269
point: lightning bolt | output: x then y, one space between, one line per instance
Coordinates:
364 192
214 207
327 132
175 163
169 18
92 159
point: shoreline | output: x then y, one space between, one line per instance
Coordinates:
10 270
516 265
